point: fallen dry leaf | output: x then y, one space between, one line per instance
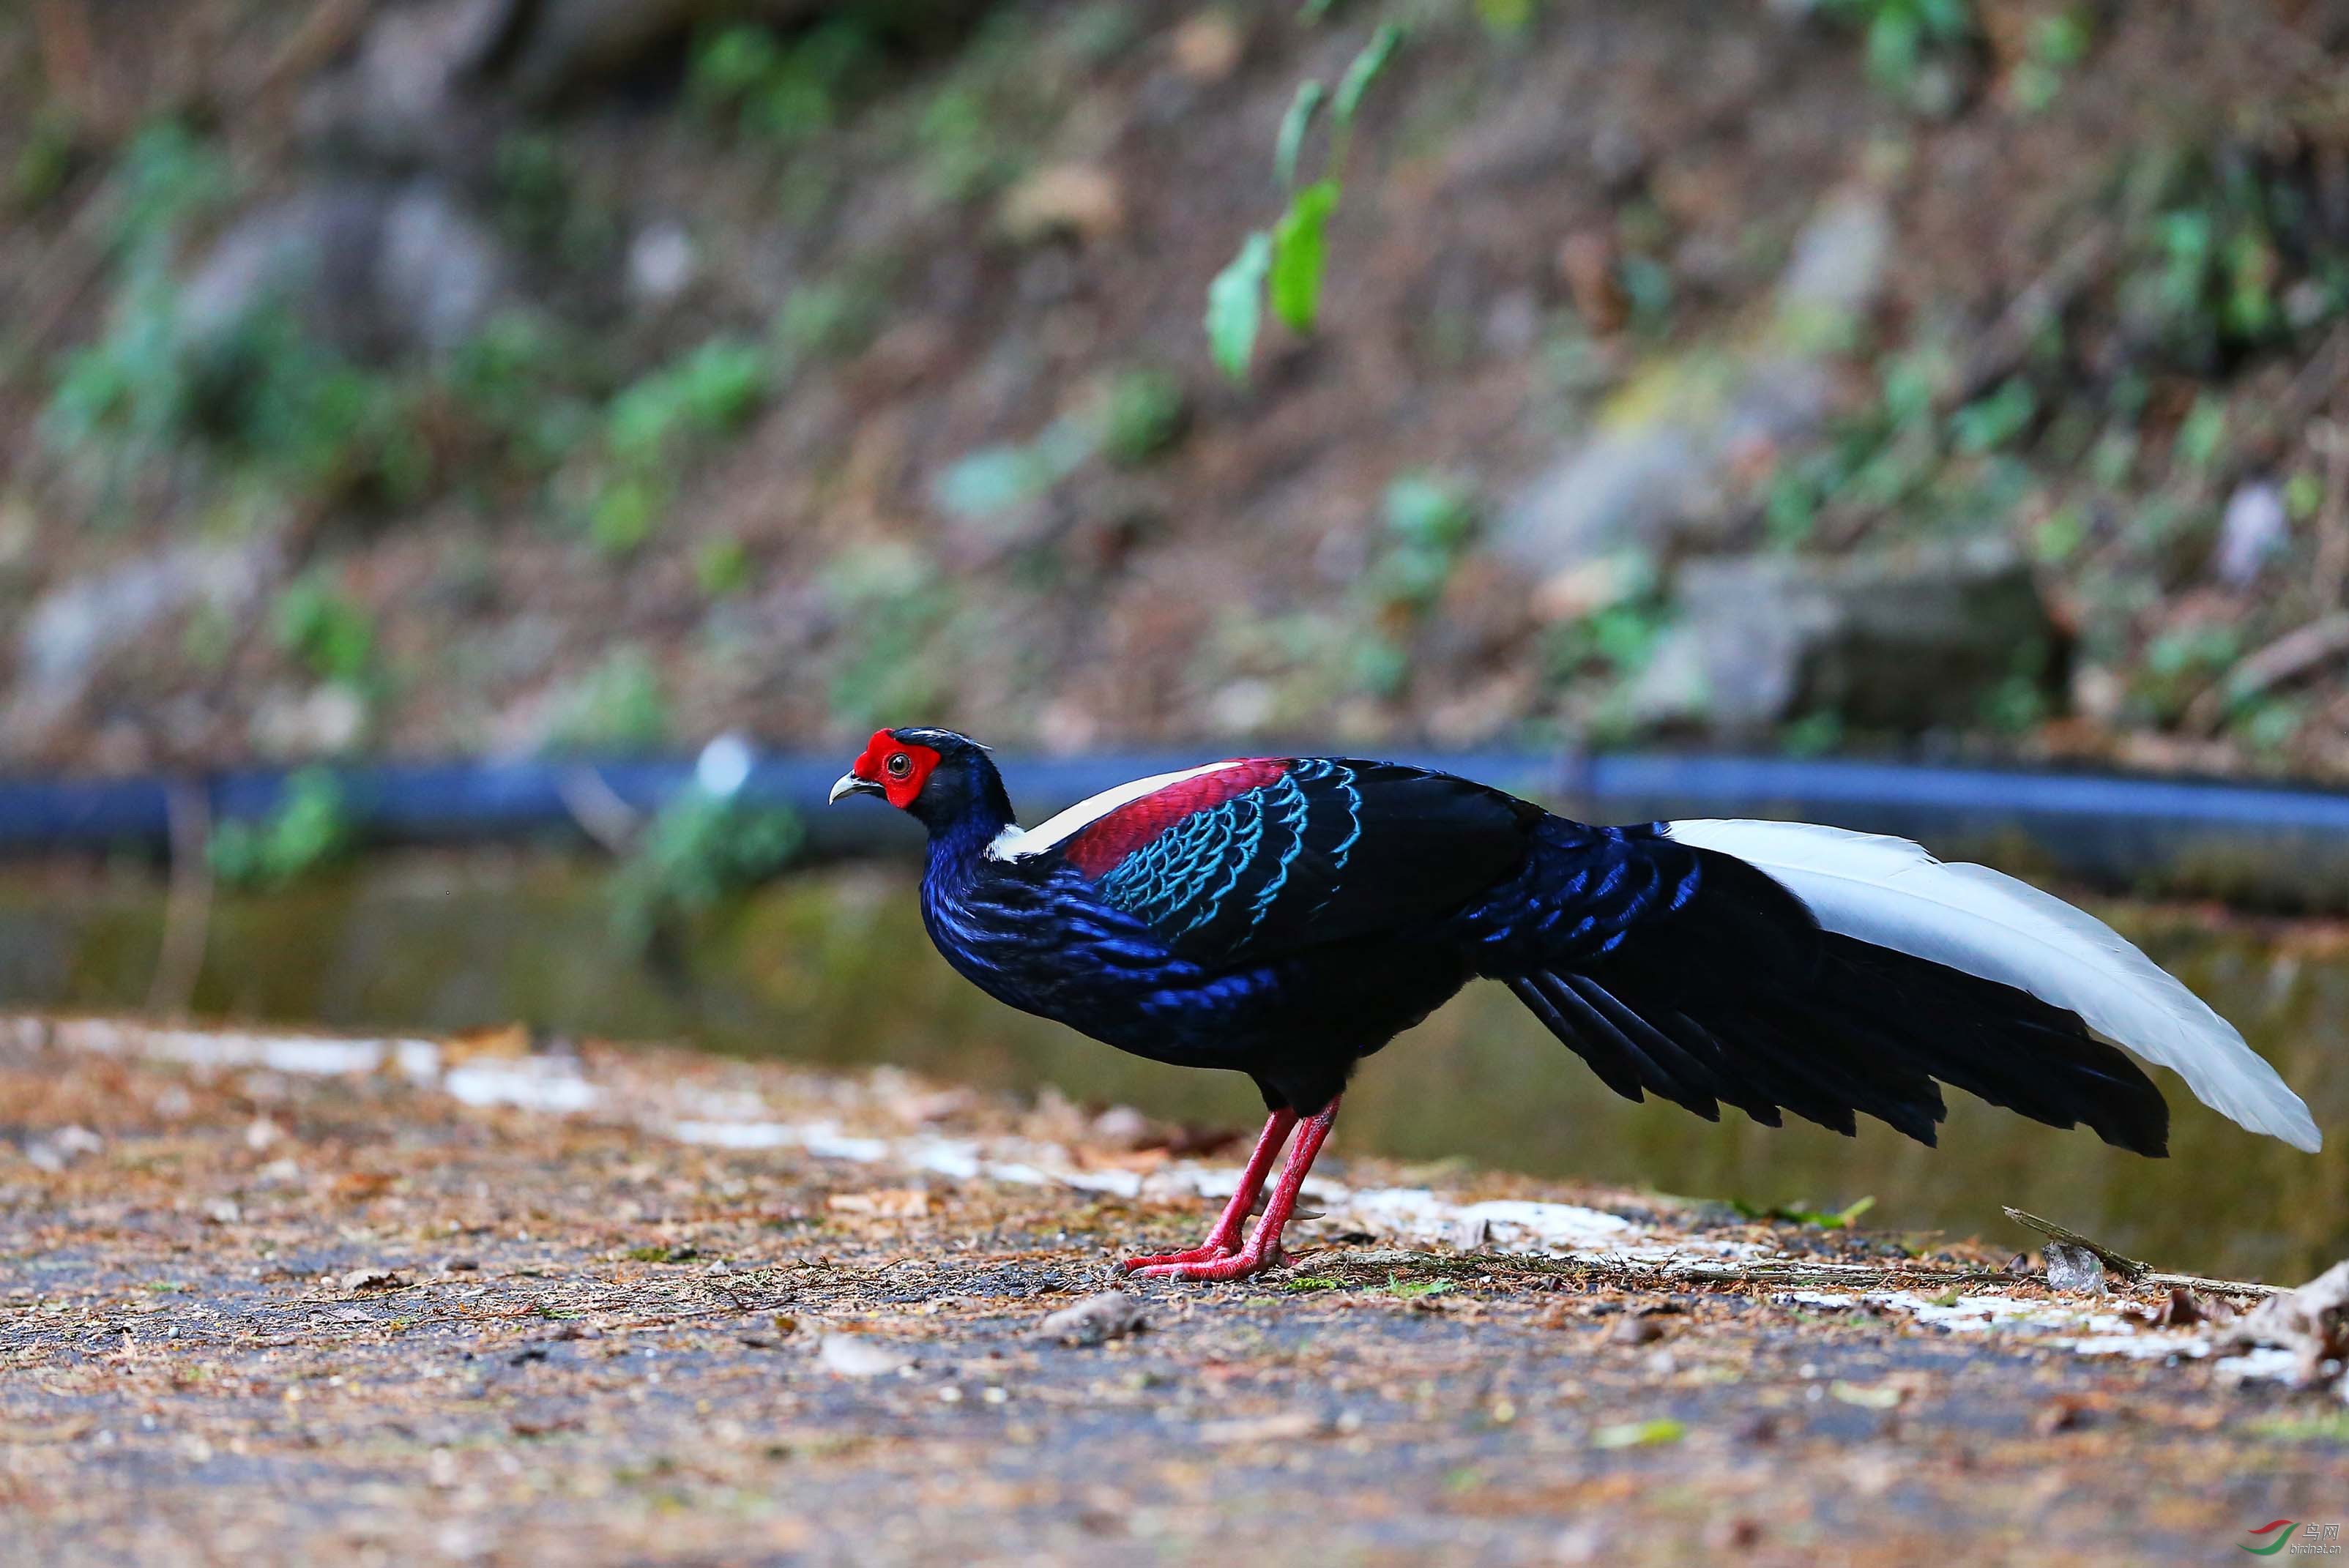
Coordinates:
1287 1427
881 1203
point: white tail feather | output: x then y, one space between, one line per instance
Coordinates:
1890 892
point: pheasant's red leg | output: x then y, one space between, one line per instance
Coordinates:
1224 1240
1262 1249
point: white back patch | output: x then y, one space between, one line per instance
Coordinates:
1018 843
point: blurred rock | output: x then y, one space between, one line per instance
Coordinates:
358 1280
2255 530
1586 264
853 1356
1242 706
319 722
1513 325
377 270
1111 1315
1079 200
432 82
663 261
1619 156
1653 482
1839 258
74 628
1656 472
556 47
1124 1129
2073 1268
1636 1329
1898 641
1624 487
406 93
1209 47
562 44
60 1149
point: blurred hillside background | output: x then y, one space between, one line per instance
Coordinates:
411 379
420 377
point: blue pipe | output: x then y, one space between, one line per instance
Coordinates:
2267 847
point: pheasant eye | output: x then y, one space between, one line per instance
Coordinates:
899 764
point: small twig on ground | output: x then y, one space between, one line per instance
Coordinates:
326 32
2133 1270
2295 653
2008 342
1371 1267
2310 390
2331 576
69 57
2128 1268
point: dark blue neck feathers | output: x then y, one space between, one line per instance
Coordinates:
965 806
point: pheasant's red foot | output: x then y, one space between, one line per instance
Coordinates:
1210 1252
1185 1265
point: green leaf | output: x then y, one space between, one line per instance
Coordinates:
1638 1434
1293 127
1300 254
1845 1218
1989 423
1866 1396
1235 305
1505 18
1803 1214
1365 70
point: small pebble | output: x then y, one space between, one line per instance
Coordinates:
2063 1416
2070 1268
853 1356
1111 1315
1637 1330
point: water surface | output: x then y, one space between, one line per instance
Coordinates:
832 969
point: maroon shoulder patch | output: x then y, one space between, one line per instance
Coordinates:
1101 844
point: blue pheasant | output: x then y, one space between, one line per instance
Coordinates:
1286 917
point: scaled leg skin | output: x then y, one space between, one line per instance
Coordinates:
1224 1241
1262 1249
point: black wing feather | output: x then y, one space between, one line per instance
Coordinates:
1334 850
1690 975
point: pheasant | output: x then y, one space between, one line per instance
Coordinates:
1287 916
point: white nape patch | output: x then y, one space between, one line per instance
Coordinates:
1016 842
1890 892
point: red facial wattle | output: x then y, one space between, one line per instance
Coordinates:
900 766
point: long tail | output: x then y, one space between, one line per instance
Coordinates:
1986 945
1836 975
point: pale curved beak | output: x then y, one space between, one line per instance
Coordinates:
850 784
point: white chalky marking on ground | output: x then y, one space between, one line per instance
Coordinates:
2268 1362
554 1088
737 1120
2091 1332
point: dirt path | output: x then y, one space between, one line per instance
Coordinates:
286 1301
